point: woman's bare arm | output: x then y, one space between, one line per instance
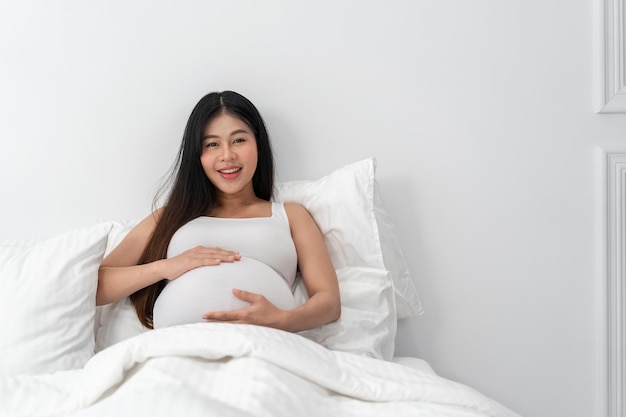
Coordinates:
120 275
318 274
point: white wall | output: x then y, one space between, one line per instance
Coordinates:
480 113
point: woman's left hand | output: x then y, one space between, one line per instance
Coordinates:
261 312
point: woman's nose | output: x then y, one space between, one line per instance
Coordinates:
228 154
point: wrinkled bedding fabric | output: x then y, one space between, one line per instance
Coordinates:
217 369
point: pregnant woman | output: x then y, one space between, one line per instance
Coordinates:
219 249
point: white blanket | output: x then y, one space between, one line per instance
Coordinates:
215 369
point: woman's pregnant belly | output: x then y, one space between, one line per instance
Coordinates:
209 288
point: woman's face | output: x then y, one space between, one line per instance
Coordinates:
229 154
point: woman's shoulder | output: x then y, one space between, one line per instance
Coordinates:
128 251
295 208
153 218
145 227
297 213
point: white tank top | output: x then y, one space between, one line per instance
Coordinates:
268 266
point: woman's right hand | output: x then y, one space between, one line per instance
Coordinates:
174 267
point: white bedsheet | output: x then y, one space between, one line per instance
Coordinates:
216 369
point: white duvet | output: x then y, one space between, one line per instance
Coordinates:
216 369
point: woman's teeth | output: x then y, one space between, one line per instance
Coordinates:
229 171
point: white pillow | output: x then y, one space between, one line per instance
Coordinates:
368 321
358 229
343 206
118 322
47 301
407 299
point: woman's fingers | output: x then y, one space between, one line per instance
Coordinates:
260 312
217 253
196 257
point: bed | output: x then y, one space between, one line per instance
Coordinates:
60 355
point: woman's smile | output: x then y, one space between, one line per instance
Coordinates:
230 173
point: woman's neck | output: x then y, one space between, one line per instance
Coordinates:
240 207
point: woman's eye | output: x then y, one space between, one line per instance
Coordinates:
239 140
211 144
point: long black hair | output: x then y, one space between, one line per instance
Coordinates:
192 194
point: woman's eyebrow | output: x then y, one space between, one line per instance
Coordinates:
235 132
238 131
